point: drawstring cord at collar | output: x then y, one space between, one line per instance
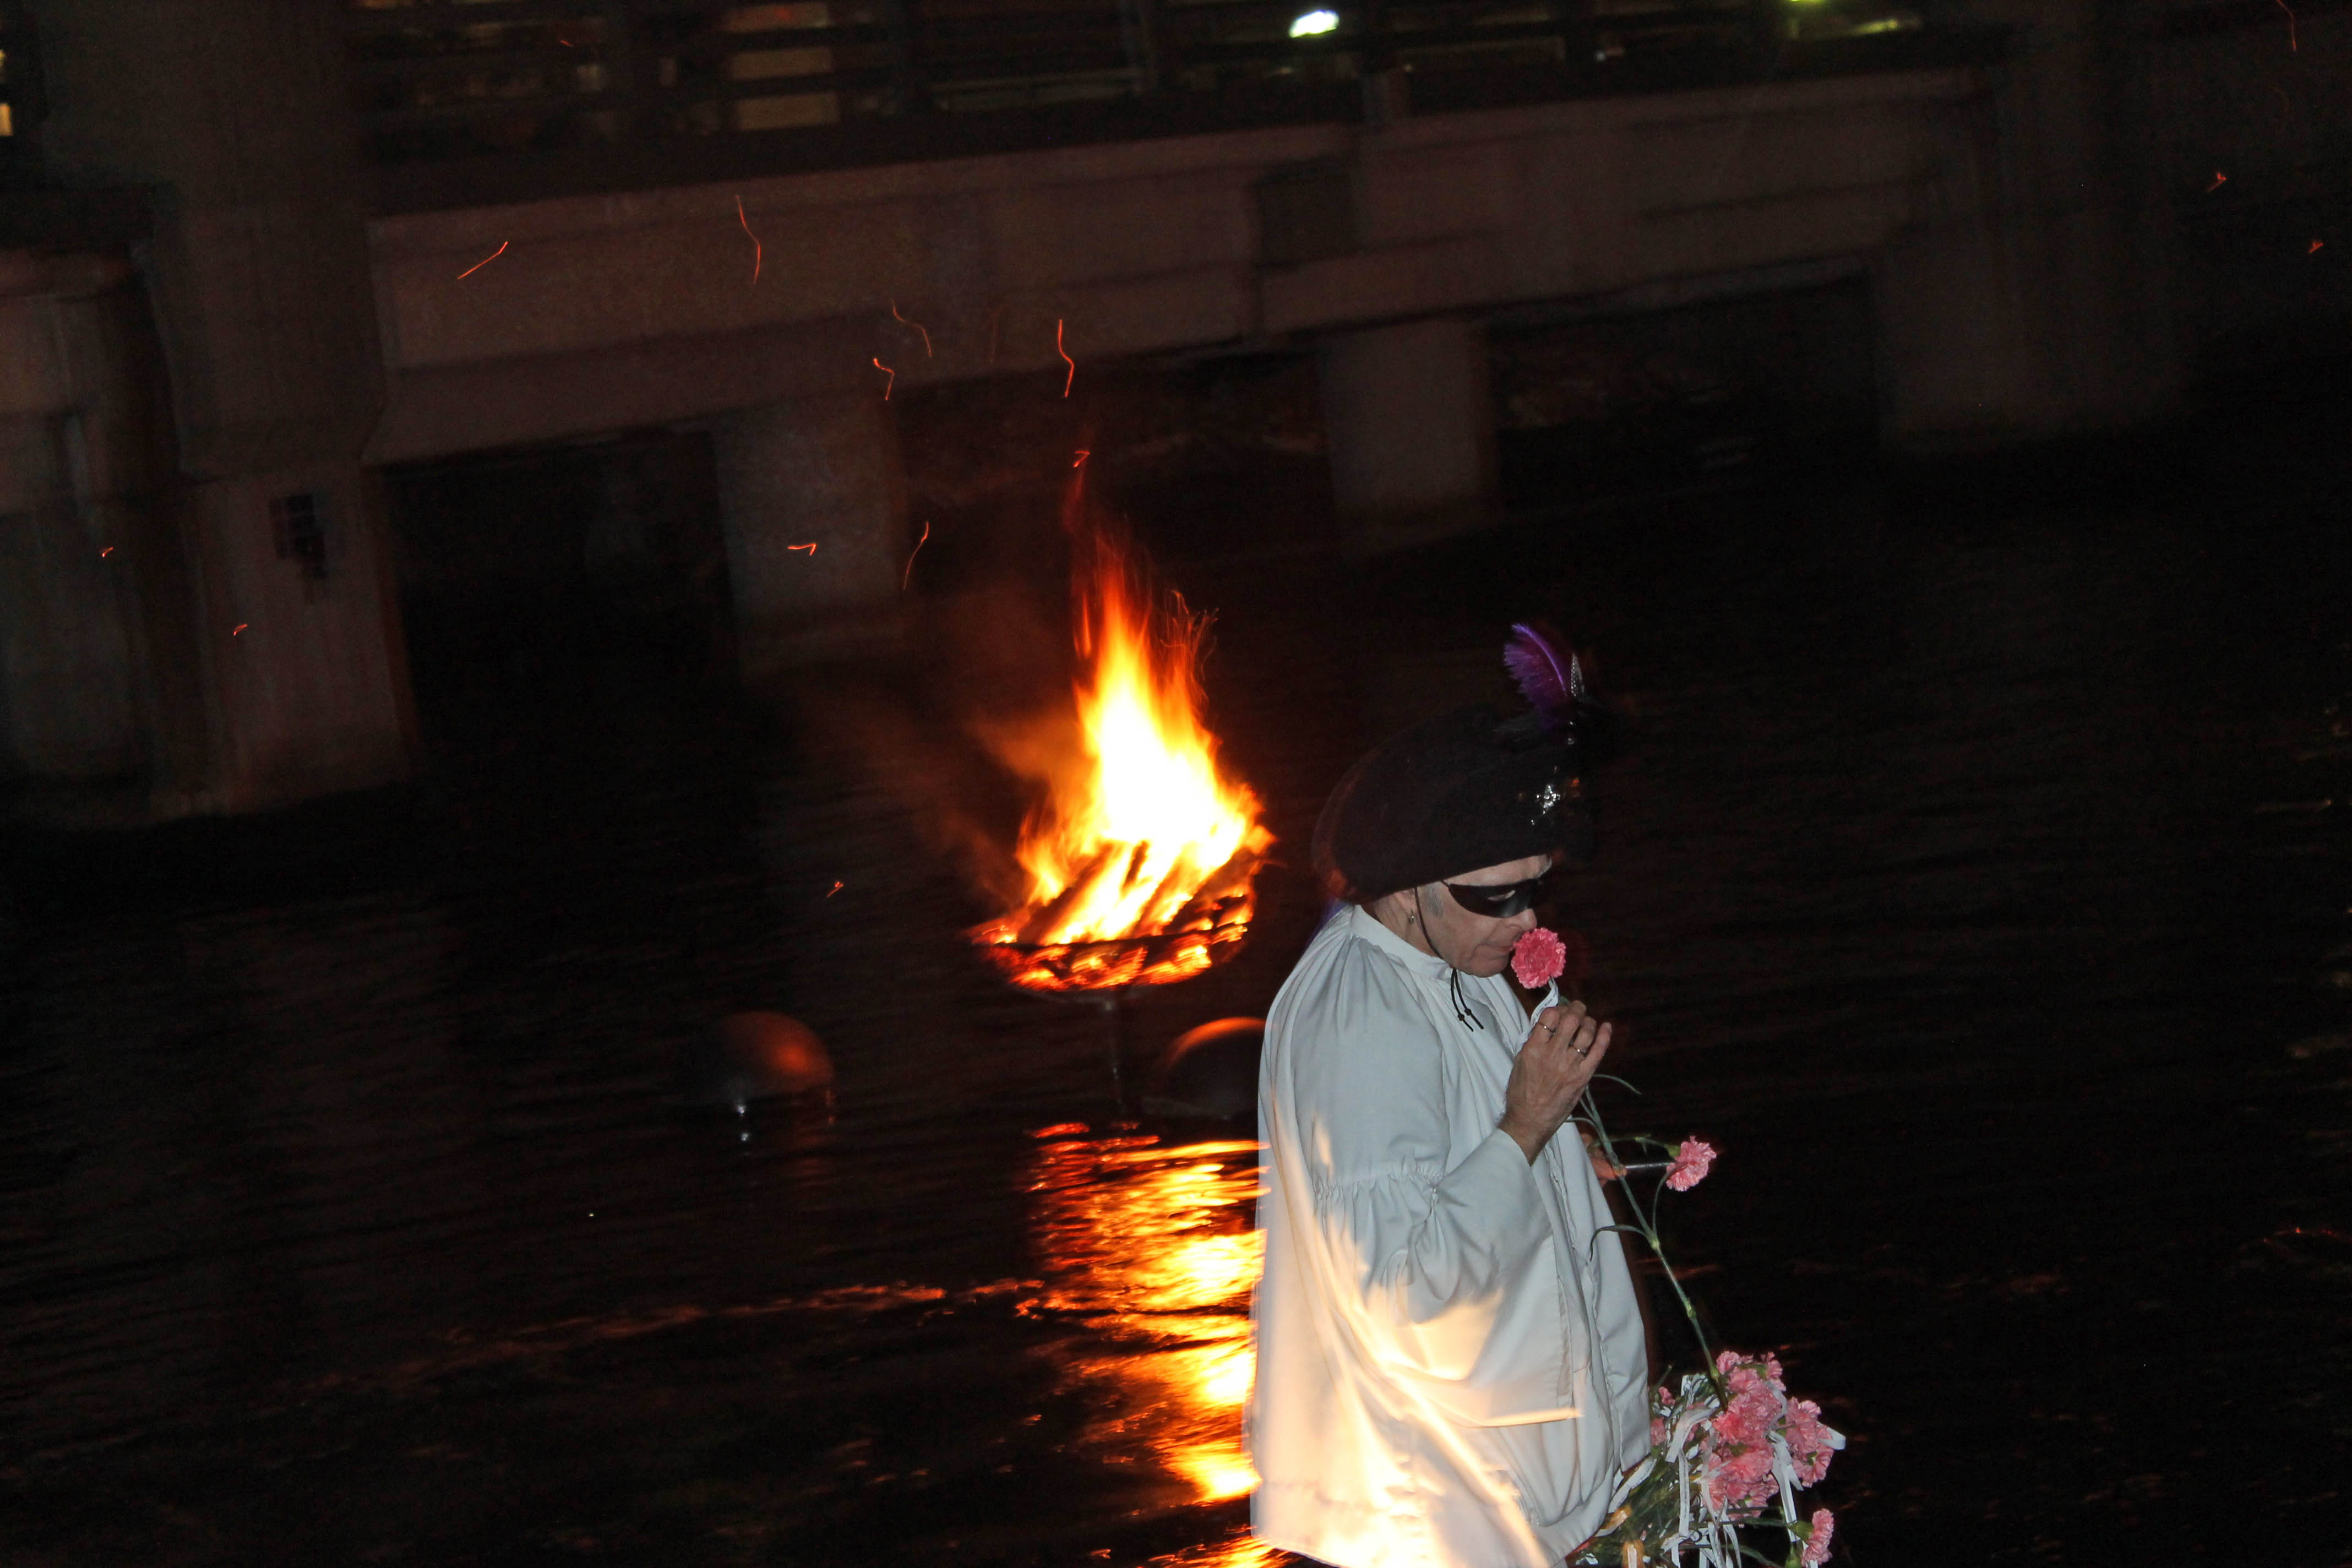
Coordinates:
1461 1004
1462 1012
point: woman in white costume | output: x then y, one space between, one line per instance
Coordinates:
1450 1366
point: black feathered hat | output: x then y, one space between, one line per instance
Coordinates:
1471 788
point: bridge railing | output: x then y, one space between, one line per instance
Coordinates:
654 91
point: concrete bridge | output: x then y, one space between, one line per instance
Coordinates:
1383 246
238 643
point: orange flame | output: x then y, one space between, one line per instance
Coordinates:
1140 861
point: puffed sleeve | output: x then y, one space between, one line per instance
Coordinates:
1448 1272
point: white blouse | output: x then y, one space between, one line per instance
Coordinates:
1451 1368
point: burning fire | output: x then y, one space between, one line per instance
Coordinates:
1140 861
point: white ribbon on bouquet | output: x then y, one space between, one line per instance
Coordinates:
1702 1528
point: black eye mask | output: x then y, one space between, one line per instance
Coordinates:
1503 900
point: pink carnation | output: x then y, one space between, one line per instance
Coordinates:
1744 1372
1739 1479
1759 1399
1691 1160
1751 1418
1537 958
1817 1546
1809 1442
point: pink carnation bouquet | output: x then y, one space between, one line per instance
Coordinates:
1729 1450
1719 1468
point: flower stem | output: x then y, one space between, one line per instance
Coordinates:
1646 1223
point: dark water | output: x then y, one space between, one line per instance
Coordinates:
1971 884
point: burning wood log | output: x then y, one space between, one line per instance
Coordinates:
1135 865
1169 896
1051 915
1228 882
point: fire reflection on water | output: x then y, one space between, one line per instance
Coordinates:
1154 1247
1241 1551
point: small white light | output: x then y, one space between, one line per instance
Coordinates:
1310 23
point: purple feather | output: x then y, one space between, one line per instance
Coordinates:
1552 684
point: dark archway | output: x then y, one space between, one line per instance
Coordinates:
554 590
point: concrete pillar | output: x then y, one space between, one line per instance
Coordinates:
814 500
298 633
2028 299
68 714
1409 415
128 692
258 267
1958 365
79 486
269 381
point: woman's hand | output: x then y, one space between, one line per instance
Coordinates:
1563 1050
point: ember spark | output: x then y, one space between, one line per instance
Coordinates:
1084 452
758 251
2292 44
238 628
886 370
909 575
485 261
917 325
1073 377
810 548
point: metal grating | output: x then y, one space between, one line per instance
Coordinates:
452 79
468 101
